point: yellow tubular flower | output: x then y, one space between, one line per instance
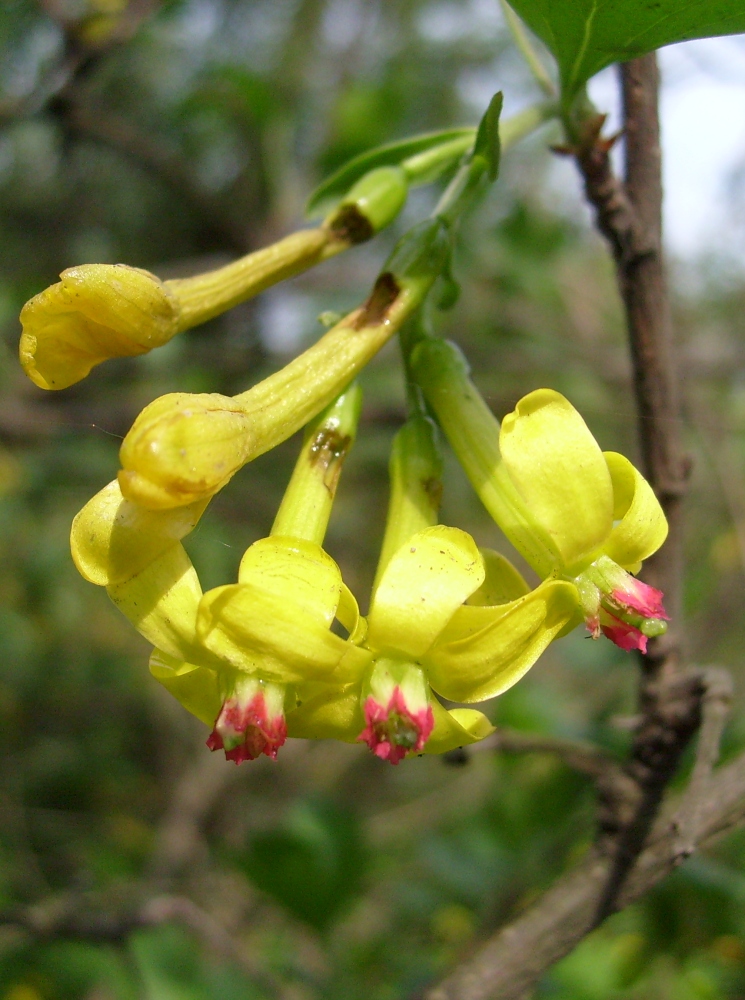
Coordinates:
235 656
422 634
184 448
100 311
573 511
423 637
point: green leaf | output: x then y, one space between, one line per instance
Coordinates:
452 143
587 35
313 864
488 143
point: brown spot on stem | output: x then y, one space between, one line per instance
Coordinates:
327 451
433 488
382 297
350 225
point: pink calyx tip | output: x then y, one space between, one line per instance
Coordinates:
625 636
393 730
639 597
247 730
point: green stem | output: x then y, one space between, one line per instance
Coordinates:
306 505
415 470
207 295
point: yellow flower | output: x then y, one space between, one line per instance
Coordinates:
96 311
238 654
463 622
573 511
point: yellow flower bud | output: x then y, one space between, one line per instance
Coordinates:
96 311
184 447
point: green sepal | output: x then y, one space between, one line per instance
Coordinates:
488 145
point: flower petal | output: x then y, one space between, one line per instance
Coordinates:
502 584
456 728
423 584
471 666
296 572
197 688
348 613
255 631
641 527
327 711
559 471
162 600
112 539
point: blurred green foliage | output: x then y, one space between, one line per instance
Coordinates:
194 136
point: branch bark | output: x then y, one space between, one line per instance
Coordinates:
636 849
509 965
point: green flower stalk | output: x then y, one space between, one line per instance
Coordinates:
574 512
185 447
100 311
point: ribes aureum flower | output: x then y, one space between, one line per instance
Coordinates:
449 619
238 655
574 512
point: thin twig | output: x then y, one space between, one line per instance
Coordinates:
715 709
510 964
586 758
72 917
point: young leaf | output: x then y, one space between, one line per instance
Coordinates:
587 35
488 142
330 191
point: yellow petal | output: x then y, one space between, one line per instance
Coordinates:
470 666
327 711
162 600
96 311
296 572
197 688
502 583
456 728
641 527
559 471
423 584
253 631
348 613
112 539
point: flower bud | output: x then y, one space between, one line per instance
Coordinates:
184 447
97 311
370 205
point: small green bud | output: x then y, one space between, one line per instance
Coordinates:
370 205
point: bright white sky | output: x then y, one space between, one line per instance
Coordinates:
703 138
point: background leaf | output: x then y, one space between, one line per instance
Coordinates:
587 35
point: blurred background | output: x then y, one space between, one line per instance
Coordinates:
175 137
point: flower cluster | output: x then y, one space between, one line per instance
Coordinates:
284 651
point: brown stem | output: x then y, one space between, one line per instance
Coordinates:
510 964
629 214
